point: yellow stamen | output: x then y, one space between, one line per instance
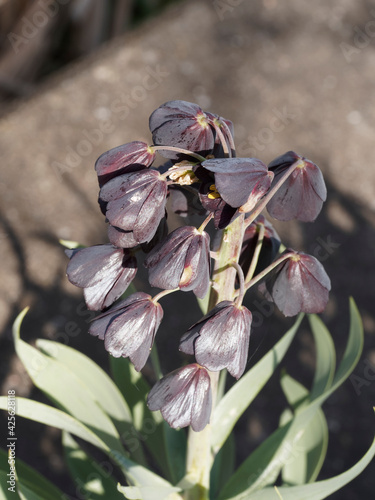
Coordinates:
214 194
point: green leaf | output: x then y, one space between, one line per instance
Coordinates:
97 383
325 357
29 477
146 493
65 389
235 402
27 494
354 346
223 466
259 468
203 303
265 463
5 494
306 459
320 489
93 481
48 415
136 474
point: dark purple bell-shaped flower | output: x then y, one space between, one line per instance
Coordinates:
299 284
103 271
241 182
302 194
181 260
135 203
183 397
221 338
128 329
182 124
127 158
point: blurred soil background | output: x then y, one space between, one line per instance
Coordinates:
80 77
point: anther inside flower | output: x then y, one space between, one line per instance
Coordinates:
201 177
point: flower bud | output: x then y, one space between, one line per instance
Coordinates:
103 271
221 338
183 397
181 260
302 194
128 329
136 202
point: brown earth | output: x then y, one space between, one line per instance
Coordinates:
297 75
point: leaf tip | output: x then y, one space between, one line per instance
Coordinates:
17 323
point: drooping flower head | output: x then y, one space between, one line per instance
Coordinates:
299 284
221 338
183 397
103 271
128 328
181 260
302 194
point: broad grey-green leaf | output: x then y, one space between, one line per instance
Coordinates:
66 389
93 480
147 493
223 466
239 397
97 383
320 489
48 415
136 474
325 356
306 459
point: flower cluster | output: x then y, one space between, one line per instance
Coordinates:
200 174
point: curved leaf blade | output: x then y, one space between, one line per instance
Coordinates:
320 489
39 412
65 389
325 357
306 459
97 383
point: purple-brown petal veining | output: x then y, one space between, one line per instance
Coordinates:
299 284
221 338
181 124
302 194
126 158
129 328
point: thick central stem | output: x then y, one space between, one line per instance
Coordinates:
199 456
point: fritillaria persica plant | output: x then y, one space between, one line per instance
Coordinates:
191 169
201 169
